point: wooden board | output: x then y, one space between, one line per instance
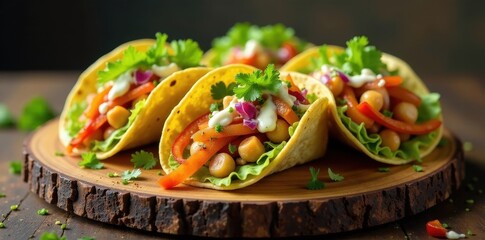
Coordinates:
279 205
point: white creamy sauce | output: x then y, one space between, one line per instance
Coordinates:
103 108
267 116
121 85
454 235
223 117
285 96
165 71
366 75
252 47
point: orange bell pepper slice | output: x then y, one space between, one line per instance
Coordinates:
398 126
404 95
284 110
132 94
228 131
392 81
183 139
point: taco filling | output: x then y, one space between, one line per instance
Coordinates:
248 124
256 46
373 104
98 122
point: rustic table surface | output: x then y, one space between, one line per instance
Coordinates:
463 100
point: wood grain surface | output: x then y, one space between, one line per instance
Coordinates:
279 205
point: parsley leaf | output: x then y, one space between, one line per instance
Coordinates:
128 175
314 183
219 90
251 86
418 168
335 176
6 119
131 58
15 167
59 154
232 148
383 169
35 113
90 161
158 50
43 211
143 159
215 107
187 53
219 128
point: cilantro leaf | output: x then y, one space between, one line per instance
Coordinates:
143 159
128 175
219 90
43 211
90 161
6 119
219 128
314 183
35 113
187 53
15 167
418 168
251 86
335 176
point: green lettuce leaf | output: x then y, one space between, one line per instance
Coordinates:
187 53
409 149
429 108
241 173
73 124
115 137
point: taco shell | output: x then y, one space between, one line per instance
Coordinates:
308 142
411 82
149 122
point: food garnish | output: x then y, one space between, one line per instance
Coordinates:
128 175
35 113
335 176
314 183
143 159
42 212
90 161
15 167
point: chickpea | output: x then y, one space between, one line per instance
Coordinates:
359 118
280 133
108 132
118 117
221 165
390 139
373 98
406 112
336 85
196 146
251 149
240 162
226 101
404 137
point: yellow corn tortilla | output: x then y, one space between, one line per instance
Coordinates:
148 124
411 82
309 141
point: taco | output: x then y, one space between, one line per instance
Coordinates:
255 46
238 125
380 106
122 100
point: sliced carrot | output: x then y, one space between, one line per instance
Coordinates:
193 163
284 110
132 94
392 81
183 139
90 127
352 111
404 95
92 111
293 86
227 131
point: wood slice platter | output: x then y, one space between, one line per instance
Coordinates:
277 206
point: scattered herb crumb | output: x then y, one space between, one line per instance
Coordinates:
14 207
58 222
59 154
113 174
232 148
64 226
383 169
15 167
143 159
86 238
470 233
159 173
467 209
335 176
43 212
418 168
51 236
2 195
90 161
6 119
445 225
470 201
470 187
314 183
2 225
467 146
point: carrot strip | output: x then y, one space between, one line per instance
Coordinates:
183 139
92 111
132 94
285 111
227 131
392 81
193 163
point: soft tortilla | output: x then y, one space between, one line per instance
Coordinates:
148 124
309 142
411 82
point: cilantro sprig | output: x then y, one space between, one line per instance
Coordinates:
35 113
250 87
220 90
186 53
90 161
314 183
335 176
143 159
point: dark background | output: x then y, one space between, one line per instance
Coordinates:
435 37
